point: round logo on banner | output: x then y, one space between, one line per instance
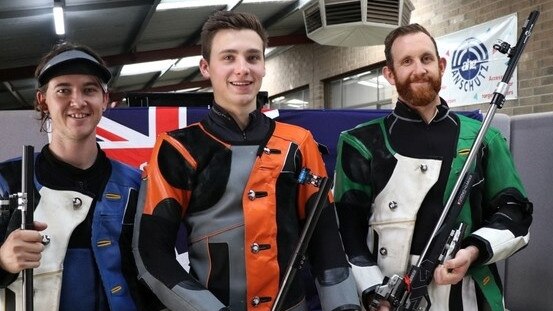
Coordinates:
469 63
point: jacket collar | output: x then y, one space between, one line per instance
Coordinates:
224 126
404 112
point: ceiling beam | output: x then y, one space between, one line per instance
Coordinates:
282 14
152 81
37 10
141 27
150 56
131 45
116 96
102 5
295 39
15 94
30 12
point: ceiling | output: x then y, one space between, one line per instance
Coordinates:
126 32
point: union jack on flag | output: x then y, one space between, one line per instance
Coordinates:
129 134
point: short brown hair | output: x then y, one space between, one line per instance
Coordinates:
229 20
402 31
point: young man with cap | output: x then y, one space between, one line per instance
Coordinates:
85 201
231 179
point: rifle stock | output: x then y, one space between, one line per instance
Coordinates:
26 205
298 257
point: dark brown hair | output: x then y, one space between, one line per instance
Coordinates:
402 31
229 20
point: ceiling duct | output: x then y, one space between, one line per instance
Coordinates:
354 22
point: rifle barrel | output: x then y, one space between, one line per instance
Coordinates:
27 219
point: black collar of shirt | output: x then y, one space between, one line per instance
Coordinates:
221 123
402 111
56 174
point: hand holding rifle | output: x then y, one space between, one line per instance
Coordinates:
453 270
22 249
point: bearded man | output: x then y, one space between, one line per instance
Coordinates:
395 174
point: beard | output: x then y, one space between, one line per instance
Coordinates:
423 95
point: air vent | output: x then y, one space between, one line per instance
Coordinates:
384 11
354 22
342 12
312 17
406 13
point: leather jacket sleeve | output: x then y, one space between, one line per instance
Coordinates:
161 204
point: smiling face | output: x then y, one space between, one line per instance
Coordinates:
417 71
75 103
236 68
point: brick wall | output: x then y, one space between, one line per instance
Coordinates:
311 64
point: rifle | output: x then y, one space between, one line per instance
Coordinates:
298 257
410 292
25 203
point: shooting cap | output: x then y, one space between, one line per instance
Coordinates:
73 62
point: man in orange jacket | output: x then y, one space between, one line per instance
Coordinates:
231 180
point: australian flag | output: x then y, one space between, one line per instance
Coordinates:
129 134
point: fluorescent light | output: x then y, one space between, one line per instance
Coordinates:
187 62
269 50
294 101
58 20
140 68
182 4
371 84
171 5
376 82
193 89
295 105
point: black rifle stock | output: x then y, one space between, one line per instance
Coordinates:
24 201
410 292
27 219
298 257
